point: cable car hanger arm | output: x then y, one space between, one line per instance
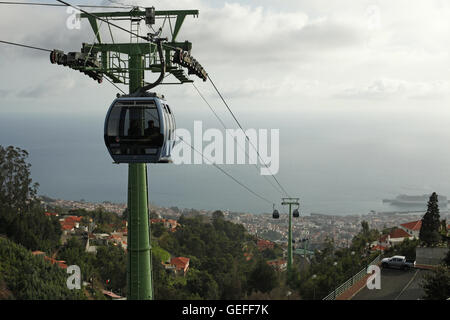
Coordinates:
163 69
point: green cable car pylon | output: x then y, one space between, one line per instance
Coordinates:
126 63
290 202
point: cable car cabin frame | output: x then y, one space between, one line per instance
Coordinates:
140 129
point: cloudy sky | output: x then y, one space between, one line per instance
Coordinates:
360 91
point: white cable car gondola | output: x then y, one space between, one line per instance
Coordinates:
140 129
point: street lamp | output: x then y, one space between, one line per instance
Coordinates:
353 265
335 264
288 294
314 286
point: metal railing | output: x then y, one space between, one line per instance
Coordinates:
350 282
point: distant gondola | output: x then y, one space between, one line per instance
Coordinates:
276 214
296 214
140 129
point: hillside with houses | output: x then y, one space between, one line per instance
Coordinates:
200 249
196 254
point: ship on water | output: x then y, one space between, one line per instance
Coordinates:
404 200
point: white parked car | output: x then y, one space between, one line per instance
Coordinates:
398 262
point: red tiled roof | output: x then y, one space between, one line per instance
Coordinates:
414 225
264 244
73 218
48 214
69 222
61 263
180 262
67 225
399 233
377 247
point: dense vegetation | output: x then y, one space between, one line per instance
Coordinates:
225 262
25 276
105 222
436 284
21 218
32 229
405 248
107 268
16 189
24 228
218 267
331 266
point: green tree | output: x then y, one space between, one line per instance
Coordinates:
446 260
111 263
158 229
32 228
214 249
153 215
429 232
331 266
269 254
232 287
437 284
217 215
366 235
74 253
203 284
365 227
16 189
263 278
30 277
406 248
125 214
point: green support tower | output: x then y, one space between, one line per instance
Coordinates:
139 268
126 63
290 202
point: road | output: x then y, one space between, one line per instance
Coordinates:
395 285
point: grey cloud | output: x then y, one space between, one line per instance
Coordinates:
38 91
4 93
328 35
393 88
48 87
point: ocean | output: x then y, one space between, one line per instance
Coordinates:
329 174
